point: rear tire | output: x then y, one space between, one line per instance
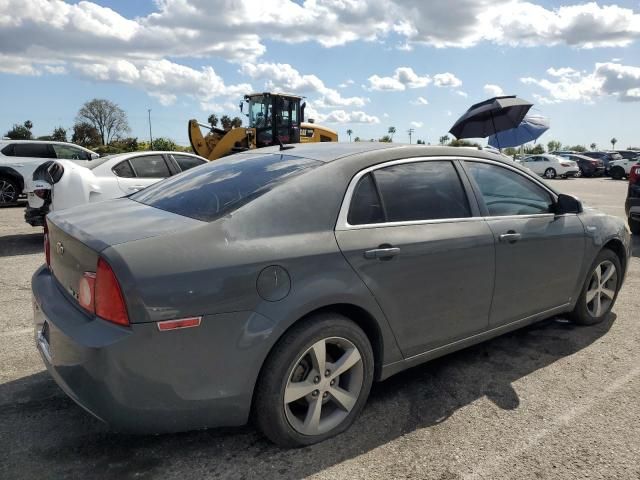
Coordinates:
297 405
634 226
550 173
599 291
9 191
617 173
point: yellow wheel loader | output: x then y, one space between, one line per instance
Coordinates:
274 119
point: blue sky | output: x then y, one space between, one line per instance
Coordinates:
361 65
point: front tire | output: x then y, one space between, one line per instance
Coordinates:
550 173
617 173
315 381
599 291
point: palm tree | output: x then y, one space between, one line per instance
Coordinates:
614 140
593 146
391 131
349 132
444 139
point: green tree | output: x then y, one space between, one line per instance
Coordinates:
420 142
225 121
349 132
444 139
85 134
20 132
213 120
463 143
357 139
59 134
614 140
236 122
537 150
593 146
391 131
165 144
578 148
554 145
385 139
106 117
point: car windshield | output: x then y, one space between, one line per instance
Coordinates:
215 189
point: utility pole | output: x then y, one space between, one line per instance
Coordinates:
410 132
150 137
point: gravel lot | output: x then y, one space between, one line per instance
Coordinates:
550 401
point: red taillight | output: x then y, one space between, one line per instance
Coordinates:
634 175
108 299
47 249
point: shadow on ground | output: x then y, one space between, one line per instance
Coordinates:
44 434
25 244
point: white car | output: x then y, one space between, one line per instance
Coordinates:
63 184
20 158
618 169
551 166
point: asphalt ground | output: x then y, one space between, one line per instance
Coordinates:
550 401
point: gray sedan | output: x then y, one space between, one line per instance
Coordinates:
278 284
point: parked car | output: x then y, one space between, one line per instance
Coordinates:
63 184
619 169
19 159
283 282
589 167
606 158
632 203
551 166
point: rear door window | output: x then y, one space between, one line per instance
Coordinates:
365 207
150 166
421 191
223 186
38 150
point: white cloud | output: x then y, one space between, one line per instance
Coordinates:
346 84
493 90
621 81
446 80
417 124
403 77
420 101
462 94
282 76
340 116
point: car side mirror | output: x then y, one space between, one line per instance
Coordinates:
94 156
567 204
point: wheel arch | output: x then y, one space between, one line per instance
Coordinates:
617 247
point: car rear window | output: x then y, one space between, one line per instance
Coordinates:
218 188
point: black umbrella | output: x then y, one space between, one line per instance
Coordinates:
490 117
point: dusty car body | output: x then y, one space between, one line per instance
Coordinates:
250 274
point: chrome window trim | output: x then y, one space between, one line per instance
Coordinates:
343 224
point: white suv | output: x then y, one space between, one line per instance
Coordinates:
618 169
20 158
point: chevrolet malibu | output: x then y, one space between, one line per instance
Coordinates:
279 284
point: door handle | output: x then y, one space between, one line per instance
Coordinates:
384 253
511 237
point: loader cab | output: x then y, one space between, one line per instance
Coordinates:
275 116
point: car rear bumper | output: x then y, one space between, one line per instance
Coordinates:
632 207
570 173
138 379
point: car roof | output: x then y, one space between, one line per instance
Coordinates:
329 151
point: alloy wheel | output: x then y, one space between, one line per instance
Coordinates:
8 192
602 288
550 173
323 386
